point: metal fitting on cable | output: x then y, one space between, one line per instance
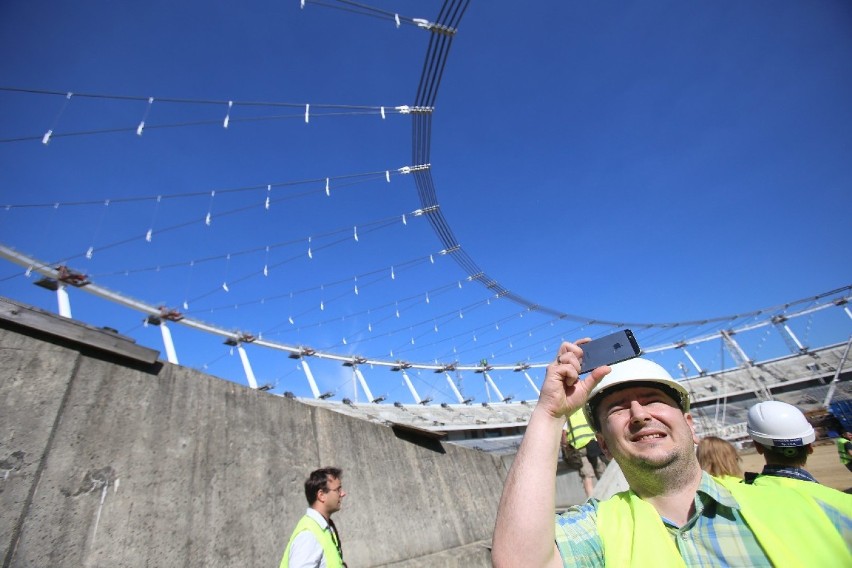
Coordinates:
408 169
419 212
433 27
405 109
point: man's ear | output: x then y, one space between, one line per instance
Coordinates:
810 449
602 444
691 425
760 449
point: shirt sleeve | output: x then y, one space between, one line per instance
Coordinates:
306 551
577 536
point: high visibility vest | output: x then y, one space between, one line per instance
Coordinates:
841 449
579 431
329 548
832 497
791 528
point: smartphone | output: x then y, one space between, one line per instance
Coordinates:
614 348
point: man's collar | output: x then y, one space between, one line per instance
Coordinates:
716 491
317 516
788 471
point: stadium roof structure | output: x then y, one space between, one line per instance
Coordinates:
720 400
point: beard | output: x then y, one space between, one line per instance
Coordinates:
654 471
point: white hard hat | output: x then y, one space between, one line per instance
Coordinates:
777 424
636 370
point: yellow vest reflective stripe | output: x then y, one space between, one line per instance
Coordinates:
791 528
841 449
579 431
832 497
329 549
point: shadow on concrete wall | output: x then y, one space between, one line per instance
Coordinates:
110 461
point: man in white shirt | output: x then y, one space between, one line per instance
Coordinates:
315 542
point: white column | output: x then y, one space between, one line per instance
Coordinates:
64 301
532 384
247 366
736 351
693 361
455 389
171 354
311 382
408 382
370 397
493 386
794 338
837 373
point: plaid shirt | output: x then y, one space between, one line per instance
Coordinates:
715 535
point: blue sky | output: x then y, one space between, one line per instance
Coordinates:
641 162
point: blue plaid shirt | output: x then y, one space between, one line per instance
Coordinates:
715 535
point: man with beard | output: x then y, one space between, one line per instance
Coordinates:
674 513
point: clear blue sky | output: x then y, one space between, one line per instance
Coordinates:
642 161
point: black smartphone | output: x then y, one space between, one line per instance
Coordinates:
614 348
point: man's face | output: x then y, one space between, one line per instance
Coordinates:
332 498
644 426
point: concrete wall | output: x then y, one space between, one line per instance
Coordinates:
107 463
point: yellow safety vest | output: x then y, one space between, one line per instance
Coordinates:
579 431
791 528
832 497
329 549
841 449
726 479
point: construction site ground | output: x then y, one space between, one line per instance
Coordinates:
824 464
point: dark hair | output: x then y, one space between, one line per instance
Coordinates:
318 481
791 456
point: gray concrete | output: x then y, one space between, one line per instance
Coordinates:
107 463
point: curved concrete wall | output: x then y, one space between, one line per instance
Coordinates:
110 463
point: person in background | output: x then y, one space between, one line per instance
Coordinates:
674 513
719 458
579 446
844 449
784 437
315 542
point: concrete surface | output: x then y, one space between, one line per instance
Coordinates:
107 463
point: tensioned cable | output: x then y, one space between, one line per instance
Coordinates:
195 221
404 302
217 102
310 110
32 263
371 11
265 187
257 273
132 129
424 134
433 68
426 322
366 228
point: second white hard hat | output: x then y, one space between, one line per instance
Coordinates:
636 370
777 424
